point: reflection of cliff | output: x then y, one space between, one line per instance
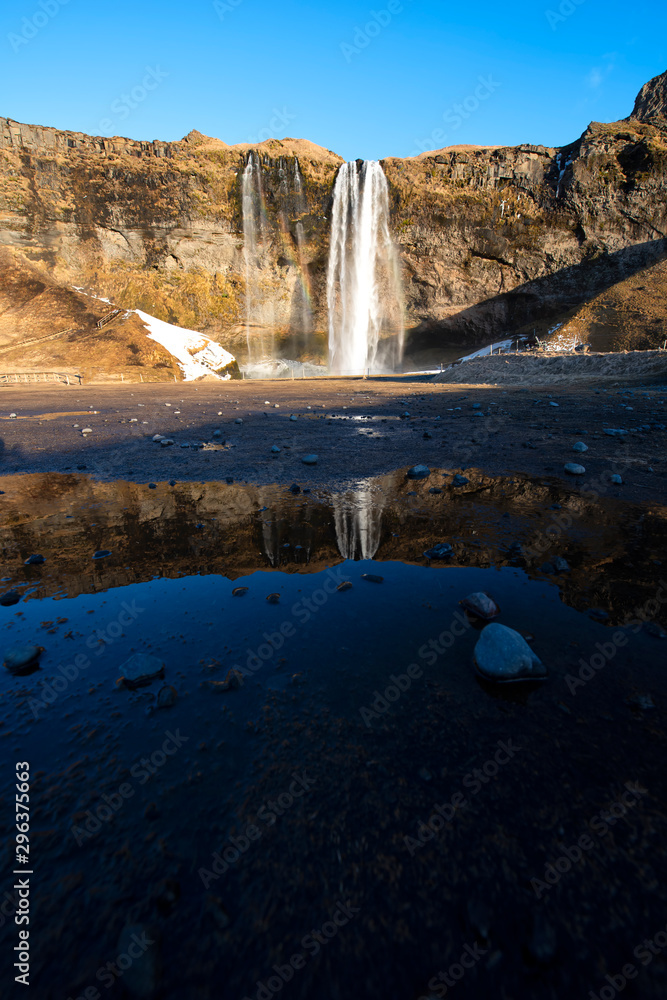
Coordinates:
358 520
615 551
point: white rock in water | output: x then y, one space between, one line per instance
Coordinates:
481 605
574 469
141 669
504 656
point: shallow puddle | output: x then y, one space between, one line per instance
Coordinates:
241 823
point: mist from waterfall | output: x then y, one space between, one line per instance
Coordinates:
364 288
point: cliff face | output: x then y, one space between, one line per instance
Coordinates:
492 240
651 100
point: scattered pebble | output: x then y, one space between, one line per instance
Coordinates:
10 598
167 697
372 578
35 560
460 480
22 659
310 459
481 605
419 472
574 469
580 446
616 479
441 551
102 554
345 585
141 669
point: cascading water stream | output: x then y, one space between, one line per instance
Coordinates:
251 188
358 522
364 289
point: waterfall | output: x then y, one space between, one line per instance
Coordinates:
259 347
358 523
364 291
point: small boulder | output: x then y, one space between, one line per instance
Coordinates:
419 472
372 578
35 560
503 655
141 669
480 605
441 551
460 480
22 659
310 459
10 598
232 682
575 470
102 554
167 696
579 446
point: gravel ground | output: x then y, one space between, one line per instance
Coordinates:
357 429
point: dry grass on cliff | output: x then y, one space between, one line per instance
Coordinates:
630 316
45 325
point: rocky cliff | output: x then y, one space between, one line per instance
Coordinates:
493 240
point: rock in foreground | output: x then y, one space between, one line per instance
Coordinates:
504 656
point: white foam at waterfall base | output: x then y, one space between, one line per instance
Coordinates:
196 354
364 288
282 368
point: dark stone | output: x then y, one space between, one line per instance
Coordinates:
441 551
598 615
9 599
419 472
22 659
35 560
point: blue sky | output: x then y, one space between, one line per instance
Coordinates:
365 80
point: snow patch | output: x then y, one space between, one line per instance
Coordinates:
196 354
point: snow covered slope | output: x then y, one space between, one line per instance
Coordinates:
196 354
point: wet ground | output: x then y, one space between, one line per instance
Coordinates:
357 429
263 832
